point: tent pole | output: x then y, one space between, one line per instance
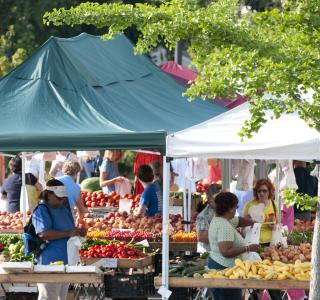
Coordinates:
277 193
165 225
23 189
189 206
185 209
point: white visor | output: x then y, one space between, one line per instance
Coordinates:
59 191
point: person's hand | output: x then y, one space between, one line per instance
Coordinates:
119 179
73 232
82 232
253 247
250 220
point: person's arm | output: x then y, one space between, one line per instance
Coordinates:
3 191
51 234
54 168
141 209
81 209
38 187
244 222
227 249
202 236
105 182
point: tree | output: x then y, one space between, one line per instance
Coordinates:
273 52
9 56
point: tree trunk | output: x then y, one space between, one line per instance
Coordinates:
315 271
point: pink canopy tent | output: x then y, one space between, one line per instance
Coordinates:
184 75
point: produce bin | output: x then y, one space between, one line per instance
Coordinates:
21 296
125 286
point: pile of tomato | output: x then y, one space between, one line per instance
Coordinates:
96 199
115 250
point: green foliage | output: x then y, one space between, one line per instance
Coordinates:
10 57
303 201
126 165
297 238
274 51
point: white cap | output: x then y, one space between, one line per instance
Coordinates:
59 191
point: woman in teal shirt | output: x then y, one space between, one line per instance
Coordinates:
226 243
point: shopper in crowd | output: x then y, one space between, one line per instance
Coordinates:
307 184
11 188
109 172
140 159
70 171
157 173
149 202
205 217
53 222
226 243
61 157
263 209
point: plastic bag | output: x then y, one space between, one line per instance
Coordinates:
253 234
24 203
277 236
33 197
124 187
73 247
250 256
4 203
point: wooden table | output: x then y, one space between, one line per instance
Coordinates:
176 246
234 283
92 278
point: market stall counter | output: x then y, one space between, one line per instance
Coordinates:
77 278
184 282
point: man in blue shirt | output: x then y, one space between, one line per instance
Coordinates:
149 202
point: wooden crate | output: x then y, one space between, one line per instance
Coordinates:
176 246
124 262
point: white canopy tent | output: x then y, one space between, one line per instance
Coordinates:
288 137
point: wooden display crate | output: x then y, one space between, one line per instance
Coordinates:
11 231
123 262
176 246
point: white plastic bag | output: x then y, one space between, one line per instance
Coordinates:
4 203
250 256
124 187
24 203
73 247
277 236
253 234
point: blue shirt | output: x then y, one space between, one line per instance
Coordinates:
12 189
111 168
150 200
62 221
72 188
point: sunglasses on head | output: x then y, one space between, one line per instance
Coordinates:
262 191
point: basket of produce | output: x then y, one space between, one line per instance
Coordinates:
129 286
291 253
266 270
124 255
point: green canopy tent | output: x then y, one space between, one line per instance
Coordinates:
86 93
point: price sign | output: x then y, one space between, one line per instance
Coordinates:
110 262
175 210
144 243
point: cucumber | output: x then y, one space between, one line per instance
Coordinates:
192 269
191 273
